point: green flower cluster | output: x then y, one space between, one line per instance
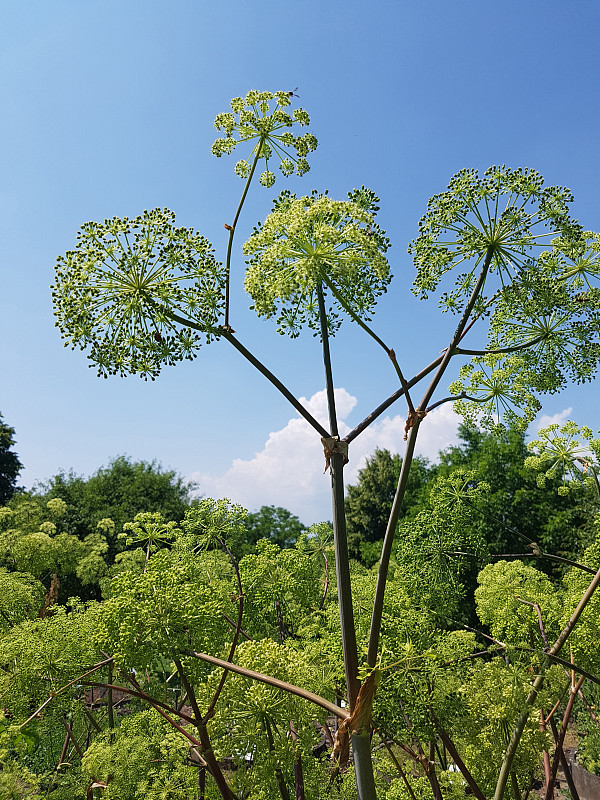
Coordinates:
260 117
493 388
506 214
569 451
544 330
314 242
540 289
119 292
577 262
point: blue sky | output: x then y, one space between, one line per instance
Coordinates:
108 109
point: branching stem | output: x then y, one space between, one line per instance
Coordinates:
259 366
231 229
390 352
340 713
407 463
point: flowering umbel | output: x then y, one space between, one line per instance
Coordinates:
569 452
312 242
119 292
261 118
540 275
507 214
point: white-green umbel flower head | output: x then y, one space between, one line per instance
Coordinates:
117 292
262 119
540 288
569 452
313 243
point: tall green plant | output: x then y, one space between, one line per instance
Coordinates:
501 252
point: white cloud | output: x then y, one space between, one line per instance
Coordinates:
556 419
288 471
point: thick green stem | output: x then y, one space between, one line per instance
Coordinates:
363 766
407 462
386 552
342 561
344 585
361 741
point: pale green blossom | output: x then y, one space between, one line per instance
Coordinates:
262 119
312 242
116 292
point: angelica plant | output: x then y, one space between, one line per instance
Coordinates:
501 252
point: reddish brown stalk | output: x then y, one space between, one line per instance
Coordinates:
429 767
211 762
281 784
177 726
242 631
545 756
71 736
549 716
63 752
142 696
451 748
213 765
189 690
63 688
91 719
561 739
565 764
398 766
327 734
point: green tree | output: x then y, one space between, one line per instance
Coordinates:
10 466
369 501
276 524
34 541
516 511
118 492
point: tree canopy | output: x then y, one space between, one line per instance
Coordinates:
10 466
118 491
369 501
